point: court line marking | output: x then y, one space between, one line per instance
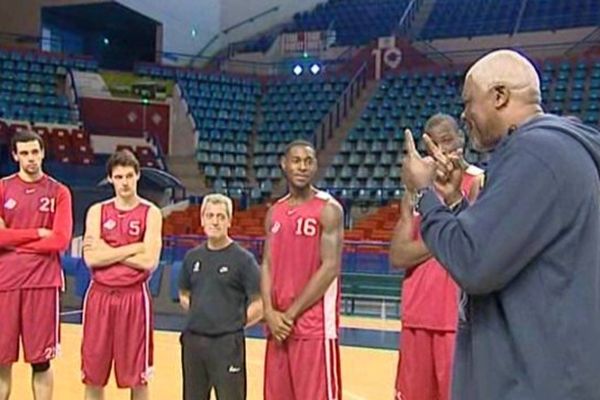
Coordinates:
76 312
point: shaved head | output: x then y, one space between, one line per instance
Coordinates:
509 69
501 91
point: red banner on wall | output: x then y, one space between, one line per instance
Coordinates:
126 118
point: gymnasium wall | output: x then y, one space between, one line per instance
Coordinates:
537 44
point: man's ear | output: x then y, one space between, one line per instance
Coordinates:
501 96
282 163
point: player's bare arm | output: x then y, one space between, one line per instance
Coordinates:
406 251
152 243
254 312
59 236
332 240
279 325
96 252
184 299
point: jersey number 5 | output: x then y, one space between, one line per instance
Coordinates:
134 228
306 227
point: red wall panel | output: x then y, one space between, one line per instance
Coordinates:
126 118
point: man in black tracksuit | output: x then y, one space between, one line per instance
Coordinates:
219 285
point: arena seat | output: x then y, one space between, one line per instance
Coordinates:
30 86
484 17
354 21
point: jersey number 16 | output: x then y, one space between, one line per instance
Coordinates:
306 227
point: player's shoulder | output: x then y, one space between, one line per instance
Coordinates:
96 207
282 200
153 208
332 210
7 180
55 182
279 204
330 201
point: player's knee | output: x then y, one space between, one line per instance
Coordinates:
40 367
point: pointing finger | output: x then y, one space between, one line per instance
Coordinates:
409 144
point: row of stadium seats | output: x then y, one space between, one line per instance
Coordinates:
144 154
72 146
68 147
229 117
31 86
376 226
572 88
193 75
354 21
25 61
291 110
402 101
457 18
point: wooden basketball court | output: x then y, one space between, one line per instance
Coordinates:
367 374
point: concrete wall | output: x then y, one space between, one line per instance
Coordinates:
535 44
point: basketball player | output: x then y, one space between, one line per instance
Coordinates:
300 287
122 246
219 286
35 226
429 295
526 252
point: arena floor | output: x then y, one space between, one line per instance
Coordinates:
368 364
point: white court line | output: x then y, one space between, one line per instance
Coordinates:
65 313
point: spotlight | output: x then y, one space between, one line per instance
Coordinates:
106 41
315 69
297 70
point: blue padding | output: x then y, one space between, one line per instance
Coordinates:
175 271
156 279
69 265
83 278
74 266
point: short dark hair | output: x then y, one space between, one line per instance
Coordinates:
122 158
24 136
298 142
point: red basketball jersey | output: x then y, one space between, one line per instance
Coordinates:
429 294
45 203
120 228
295 256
